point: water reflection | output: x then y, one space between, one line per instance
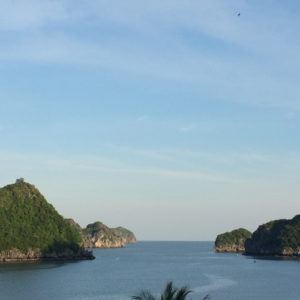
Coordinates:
36 265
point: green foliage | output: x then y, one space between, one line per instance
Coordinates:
170 293
94 228
27 220
75 225
124 233
235 237
99 229
279 234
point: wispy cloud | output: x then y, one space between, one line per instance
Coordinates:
20 16
187 128
32 163
195 166
142 118
165 40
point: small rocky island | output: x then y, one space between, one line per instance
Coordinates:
31 229
232 241
279 237
98 235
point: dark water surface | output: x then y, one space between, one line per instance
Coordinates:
120 273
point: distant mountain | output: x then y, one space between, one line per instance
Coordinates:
98 235
232 241
279 237
31 228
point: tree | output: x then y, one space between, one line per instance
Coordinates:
170 293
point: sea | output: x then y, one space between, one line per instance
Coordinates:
119 274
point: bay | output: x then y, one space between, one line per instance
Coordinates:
117 274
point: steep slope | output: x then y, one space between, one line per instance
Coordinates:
279 237
126 235
232 241
30 227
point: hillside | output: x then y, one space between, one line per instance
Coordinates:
98 235
127 235
232 241
31 228
279 237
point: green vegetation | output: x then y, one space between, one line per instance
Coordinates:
99 233
27 220
98 227
234 238
75 225
280 234
124 233
94 228
170 293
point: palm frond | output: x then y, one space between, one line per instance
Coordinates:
182 293
144 295
169 292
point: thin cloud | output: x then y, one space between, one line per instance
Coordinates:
142 118
187 128
21 15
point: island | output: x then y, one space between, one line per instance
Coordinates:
276 238
98 235
232 241
31 229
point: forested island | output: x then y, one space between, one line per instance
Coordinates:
275 238
279 237
31 229
233 241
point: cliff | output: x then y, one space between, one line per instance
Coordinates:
126 235
98 235
232 241
279 237
16 255
31 228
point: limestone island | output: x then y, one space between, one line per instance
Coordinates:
233 241
98 235
277 238
31 229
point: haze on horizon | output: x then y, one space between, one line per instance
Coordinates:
176 119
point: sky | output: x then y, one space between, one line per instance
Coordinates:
177 119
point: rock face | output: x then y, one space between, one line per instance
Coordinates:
98 235
279 237
232 241
126 235
31 228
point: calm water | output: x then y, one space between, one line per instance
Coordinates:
120 273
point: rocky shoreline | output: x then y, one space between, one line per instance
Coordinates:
15 255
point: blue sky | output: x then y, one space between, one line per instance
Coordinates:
176 119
